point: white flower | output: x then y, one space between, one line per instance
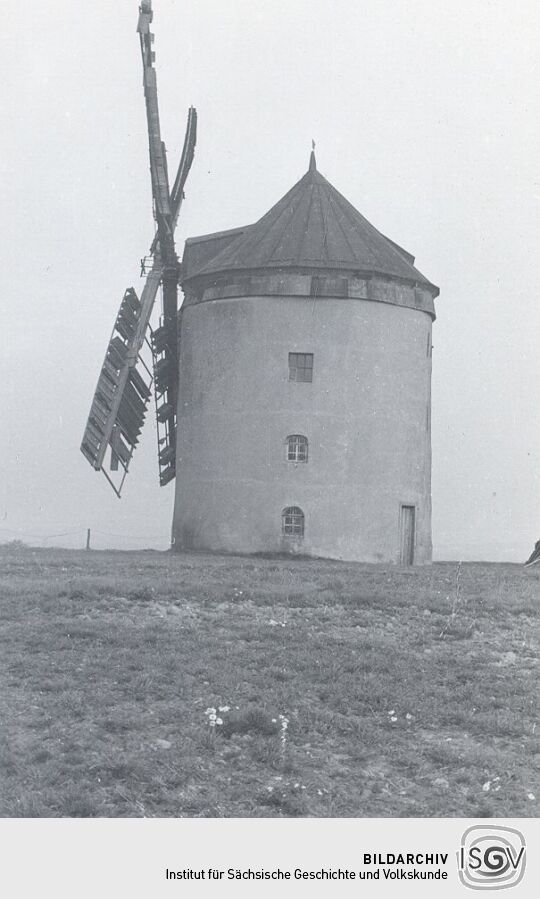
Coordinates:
531 796
393 718
219 720
391 712
210 711
212 723
408 716
487 786
224 708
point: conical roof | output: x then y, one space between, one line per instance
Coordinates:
313 226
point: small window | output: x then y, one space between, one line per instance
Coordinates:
297 448
292 522
300 366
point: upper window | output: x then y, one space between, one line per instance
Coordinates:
297 448
300 366
292 522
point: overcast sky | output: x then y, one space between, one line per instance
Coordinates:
426 116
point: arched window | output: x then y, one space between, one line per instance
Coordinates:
297 448
292 522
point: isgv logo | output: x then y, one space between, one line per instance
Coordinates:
491 858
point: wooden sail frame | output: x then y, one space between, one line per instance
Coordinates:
120 401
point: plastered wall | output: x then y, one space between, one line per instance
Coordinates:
365 414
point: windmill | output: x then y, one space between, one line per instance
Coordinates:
125 383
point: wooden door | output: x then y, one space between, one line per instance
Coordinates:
407 533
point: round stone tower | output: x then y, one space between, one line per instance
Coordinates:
304 387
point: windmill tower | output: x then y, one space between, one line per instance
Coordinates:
304 387
293 388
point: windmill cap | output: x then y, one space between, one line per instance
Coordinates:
313 226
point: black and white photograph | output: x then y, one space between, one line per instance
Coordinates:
270 488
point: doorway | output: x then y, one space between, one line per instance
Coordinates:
406 534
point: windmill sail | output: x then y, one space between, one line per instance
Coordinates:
186 160
124 387
165 338
118 410
158 159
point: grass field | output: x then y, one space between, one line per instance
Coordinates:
402 692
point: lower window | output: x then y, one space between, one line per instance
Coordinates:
292 522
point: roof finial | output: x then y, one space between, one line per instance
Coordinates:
312 160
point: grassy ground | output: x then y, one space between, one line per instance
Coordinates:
404 692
